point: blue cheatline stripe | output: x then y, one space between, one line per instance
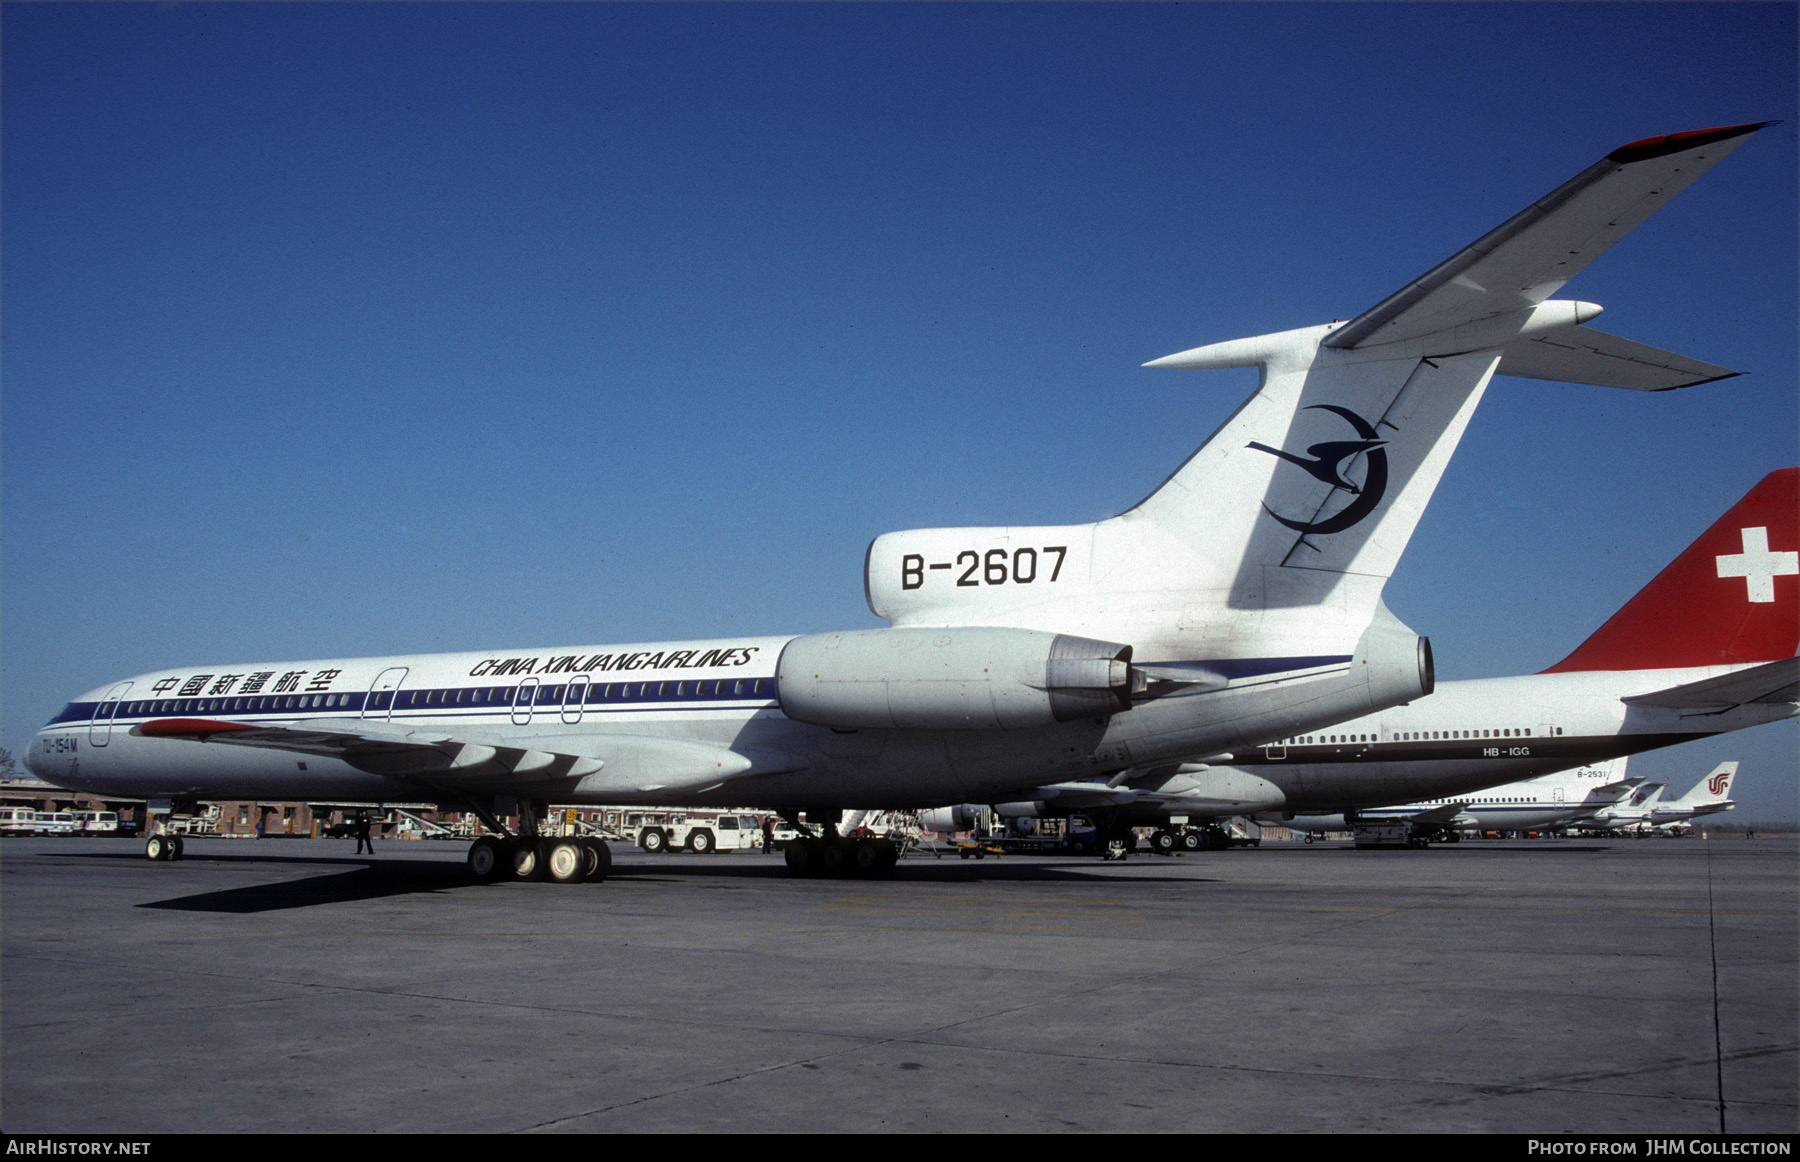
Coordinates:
544 700
683 691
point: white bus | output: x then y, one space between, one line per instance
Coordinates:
18 821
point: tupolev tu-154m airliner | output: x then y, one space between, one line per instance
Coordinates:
1240 602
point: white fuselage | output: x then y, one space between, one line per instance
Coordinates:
1528 805
607 700
1472 735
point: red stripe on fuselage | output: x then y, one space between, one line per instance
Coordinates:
189 727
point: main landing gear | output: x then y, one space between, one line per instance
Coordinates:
1169 840
568 860
837 855
161 848
529 857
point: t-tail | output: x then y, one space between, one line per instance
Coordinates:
1270 546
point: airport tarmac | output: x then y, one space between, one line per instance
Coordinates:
287 985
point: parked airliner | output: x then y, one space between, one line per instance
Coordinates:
1630 814
1706 647
1709 796
1239 602
1546 801
1597 798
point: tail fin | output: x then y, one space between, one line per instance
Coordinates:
1273 541
1732 597
1714 788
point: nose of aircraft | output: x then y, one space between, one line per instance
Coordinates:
33 760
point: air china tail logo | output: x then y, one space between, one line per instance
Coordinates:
1716 784
1327 465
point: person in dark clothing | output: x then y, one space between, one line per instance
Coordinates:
362 833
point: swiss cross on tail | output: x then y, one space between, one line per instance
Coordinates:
1733 597
1758 565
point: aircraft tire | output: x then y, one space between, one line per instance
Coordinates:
1163 842
599 860
525 861
834 859
874 855
564 861
156 849
180 848
701 842
1192 841
800 857
486 859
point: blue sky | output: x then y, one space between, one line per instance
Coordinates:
356 329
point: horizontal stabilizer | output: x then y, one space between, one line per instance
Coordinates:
1584 355
1528 258
1773 682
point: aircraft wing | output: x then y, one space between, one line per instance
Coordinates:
1527 258
1769 682
465 759
1078 796
1437 815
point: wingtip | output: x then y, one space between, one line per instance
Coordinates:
1669 143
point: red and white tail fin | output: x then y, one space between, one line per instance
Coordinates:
1714 788
1732 597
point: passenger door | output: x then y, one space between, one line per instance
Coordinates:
379 704
100 729
575 699
523 701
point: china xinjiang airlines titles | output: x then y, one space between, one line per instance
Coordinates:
1239 602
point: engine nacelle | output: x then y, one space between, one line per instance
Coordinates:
961 817
957 678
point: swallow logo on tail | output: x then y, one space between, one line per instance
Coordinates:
1327 463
